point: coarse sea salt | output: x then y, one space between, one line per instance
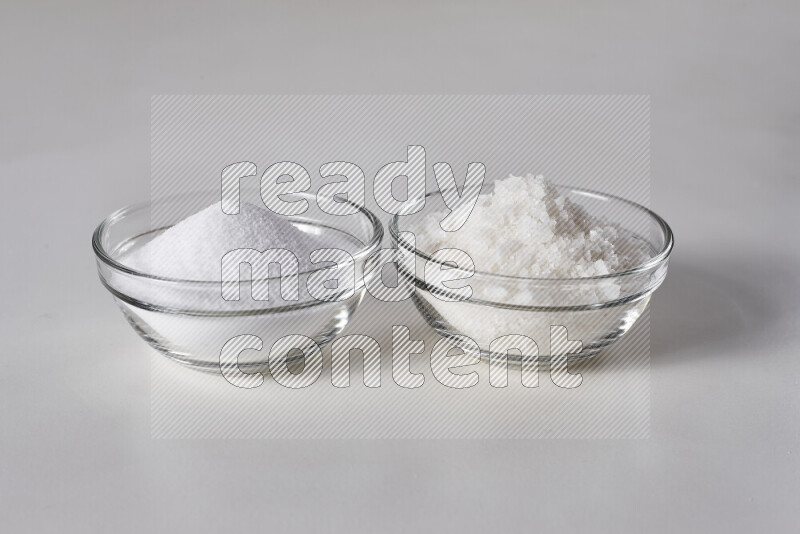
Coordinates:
526 228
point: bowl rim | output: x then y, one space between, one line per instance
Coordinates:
655 261
367 249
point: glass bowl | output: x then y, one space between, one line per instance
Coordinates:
596 311
190 322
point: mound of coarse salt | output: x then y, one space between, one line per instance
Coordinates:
526 228
193 248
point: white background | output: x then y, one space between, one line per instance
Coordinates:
75 447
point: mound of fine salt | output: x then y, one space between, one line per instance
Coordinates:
193 248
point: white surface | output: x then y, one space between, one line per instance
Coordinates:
75 447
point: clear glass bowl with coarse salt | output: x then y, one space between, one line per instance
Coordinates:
596 310
190 322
